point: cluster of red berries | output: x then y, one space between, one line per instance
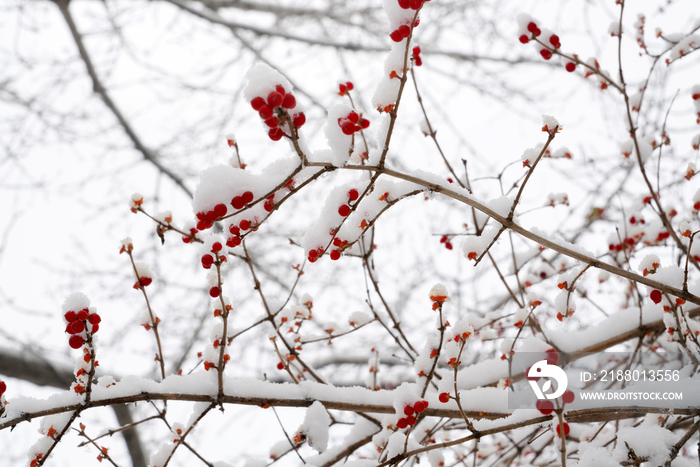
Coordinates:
352 123
627 244
410 411
344 210
416 56
208 260
193 232
206 219
341 244
444 239
533 29
78 325
401 33
412 4
280 101
344 88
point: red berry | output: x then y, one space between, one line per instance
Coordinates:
280 366
353 117
420 406
353 194
524 39
265 112
348 127
207 261
299 120
245 224
257 103
404 30
568 397
95 328
77 326
448 245
532 27
69 328
274 99
234 229
216 247
570 67
552 356
337 241
444 397
655 296
411 420
237 202
3 388
248 197
405 4
145 281
289 101
220 210
342 89
364 123
70 316
95 319
402 423
202 225
233 242
280 89
416 4
554 40
696 97
214 292
344 210
76 342
544 406
408 410
416 50
546 54
396 36
272 122
269 206
275 134
566 430
82 314
335 255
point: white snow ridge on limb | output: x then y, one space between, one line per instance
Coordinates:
315 426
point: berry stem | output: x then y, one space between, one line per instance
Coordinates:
154 320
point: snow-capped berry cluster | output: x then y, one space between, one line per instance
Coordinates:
344 210
81 323
135 202
410 410
352 123
439 295
144 276
343 88
273 109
